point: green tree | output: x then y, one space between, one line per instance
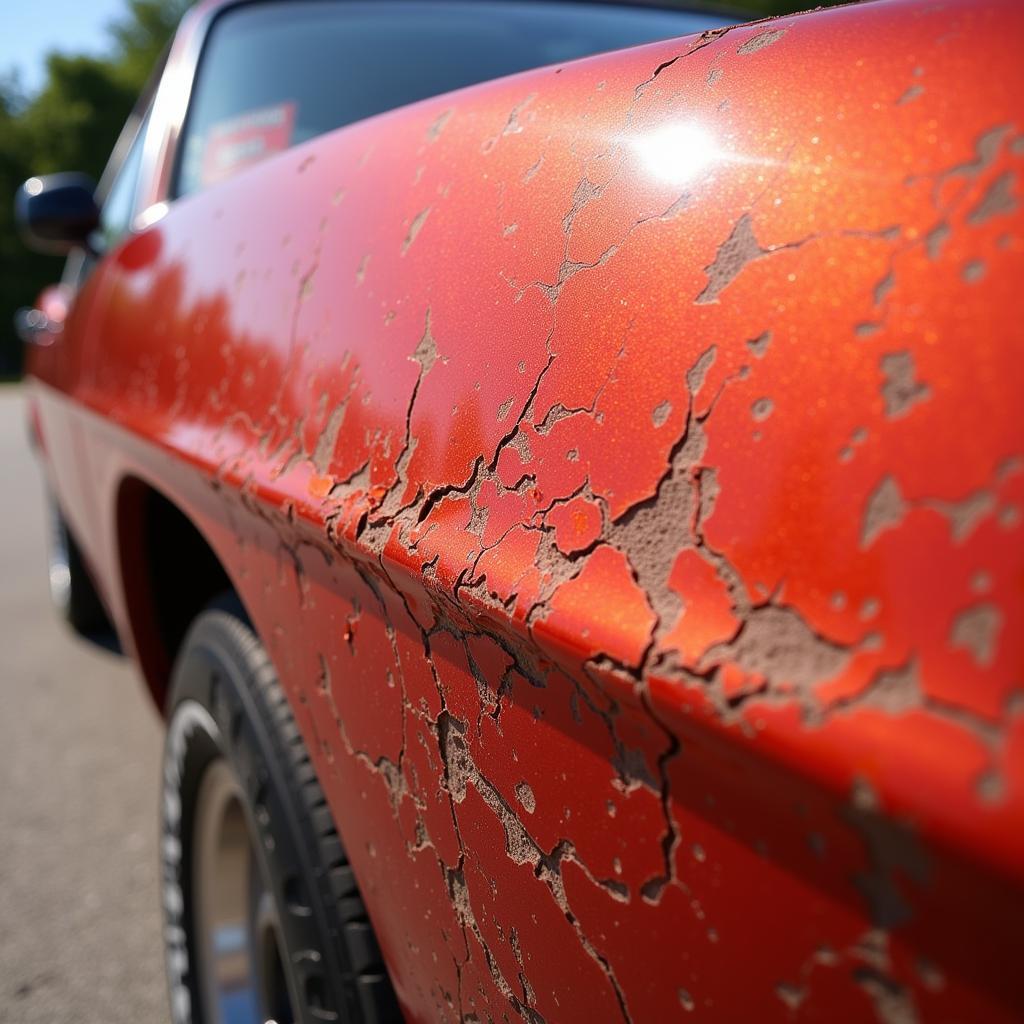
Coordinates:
20 271
72 123
140 36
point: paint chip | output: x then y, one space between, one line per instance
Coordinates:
885 510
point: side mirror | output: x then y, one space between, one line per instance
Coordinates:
57 212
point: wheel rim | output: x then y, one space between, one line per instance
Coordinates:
241 970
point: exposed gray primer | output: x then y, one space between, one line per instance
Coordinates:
911 94
661 413
974 271
414 229
524 794
759 345
893 854
791 995
998 199
777 644
884 511
739 249
964 515
761 40
900 390
893 1002
976 630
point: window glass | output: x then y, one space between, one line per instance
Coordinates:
118 208
275 74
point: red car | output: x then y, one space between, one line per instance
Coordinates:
571 523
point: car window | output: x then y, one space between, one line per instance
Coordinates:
118 207
275 74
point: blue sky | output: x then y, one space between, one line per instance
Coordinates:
29 29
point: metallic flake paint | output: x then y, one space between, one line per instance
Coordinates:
622 463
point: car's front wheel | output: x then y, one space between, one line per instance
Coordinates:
263 918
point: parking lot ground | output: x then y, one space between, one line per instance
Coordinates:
79 769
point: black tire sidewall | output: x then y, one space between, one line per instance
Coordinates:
76 600
225 703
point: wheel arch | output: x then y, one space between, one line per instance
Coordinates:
169 572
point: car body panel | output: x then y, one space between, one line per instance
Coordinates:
622 463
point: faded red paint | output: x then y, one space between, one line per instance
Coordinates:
633 513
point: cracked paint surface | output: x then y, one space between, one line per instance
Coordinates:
623 465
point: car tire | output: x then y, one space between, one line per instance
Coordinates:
263 916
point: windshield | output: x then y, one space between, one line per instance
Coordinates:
272 74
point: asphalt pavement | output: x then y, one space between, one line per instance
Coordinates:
79 769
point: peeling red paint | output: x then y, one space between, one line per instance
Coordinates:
577 525
646 578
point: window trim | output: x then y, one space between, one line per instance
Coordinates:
130 132
126 227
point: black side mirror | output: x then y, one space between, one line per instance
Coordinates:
56 212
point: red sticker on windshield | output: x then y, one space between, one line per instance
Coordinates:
245 140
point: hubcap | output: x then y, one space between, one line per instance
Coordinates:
241 971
